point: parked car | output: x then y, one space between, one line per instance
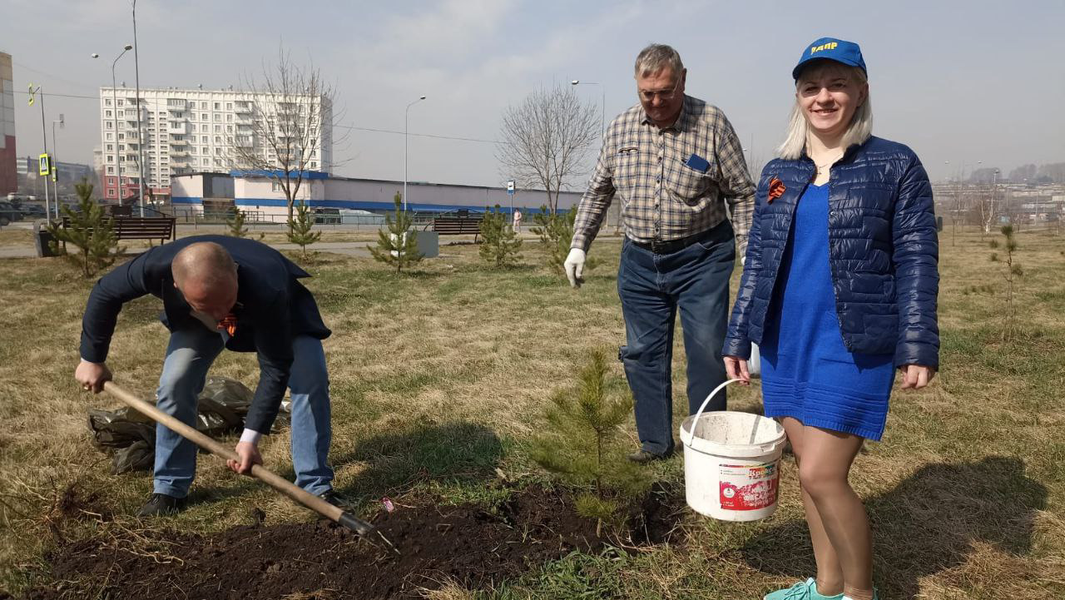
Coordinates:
32 211
326 215
8 213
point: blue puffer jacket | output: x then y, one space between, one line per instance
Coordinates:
883 253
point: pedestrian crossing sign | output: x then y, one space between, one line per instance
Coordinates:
45 165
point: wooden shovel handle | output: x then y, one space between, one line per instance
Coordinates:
280 484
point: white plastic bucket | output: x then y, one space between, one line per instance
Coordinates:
731 463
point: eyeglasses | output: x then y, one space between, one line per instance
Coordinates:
663 95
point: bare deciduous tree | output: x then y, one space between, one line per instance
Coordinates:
284 125
545 140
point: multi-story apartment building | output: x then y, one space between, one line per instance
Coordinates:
8 179
193 131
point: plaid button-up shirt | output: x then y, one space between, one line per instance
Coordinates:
667 192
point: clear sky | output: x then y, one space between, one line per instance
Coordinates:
957 81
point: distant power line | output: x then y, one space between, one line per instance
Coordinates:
60 95
339 125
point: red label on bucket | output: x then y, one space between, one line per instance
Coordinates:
748 487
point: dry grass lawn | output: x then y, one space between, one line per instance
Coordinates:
440 376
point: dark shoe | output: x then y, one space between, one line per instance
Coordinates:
335 499
161 504
643 456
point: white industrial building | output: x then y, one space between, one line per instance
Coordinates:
191 131
260 195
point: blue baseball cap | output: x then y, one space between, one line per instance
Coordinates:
827 48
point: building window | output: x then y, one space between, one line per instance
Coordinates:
110 125
110 158
275 186
107 113
203 128
107 102
217 105
206 151
217 139
314 164
110 147
229 116
203 105
119 103
205 162
229 106
218 129
111 193
110 170
110 136
229 129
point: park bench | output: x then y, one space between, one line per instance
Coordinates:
140 228
458 226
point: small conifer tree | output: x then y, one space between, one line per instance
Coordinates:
300 228
236 224
581 446
1012 271
500 245
556 234
396 243
89 230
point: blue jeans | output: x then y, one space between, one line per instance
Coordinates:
188 357
652 287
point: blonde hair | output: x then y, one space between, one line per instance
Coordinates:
861 127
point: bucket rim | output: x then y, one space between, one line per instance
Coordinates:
705 446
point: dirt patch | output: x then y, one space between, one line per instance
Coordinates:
470 545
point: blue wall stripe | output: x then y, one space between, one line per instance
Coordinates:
350 205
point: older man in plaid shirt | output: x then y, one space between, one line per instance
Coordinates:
675 162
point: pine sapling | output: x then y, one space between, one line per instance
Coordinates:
581 446
556 234
500 245
396 243
236 224
1012 271
89 230
300 228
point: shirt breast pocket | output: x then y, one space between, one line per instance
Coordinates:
689 184
626 165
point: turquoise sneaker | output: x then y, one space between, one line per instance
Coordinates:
803 590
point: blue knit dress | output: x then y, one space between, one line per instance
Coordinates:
807 372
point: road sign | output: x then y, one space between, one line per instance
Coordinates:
32 92
510 187
45 166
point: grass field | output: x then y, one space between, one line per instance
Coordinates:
440 376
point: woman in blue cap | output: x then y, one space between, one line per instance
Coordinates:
839 290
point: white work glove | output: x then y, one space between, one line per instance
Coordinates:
575 267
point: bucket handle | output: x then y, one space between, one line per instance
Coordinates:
699 413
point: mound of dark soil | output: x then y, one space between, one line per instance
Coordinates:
428 547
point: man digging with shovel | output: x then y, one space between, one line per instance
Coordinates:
222 292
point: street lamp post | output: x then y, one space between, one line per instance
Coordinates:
406 119
44 135
55 161
602 115
114 108
140 132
